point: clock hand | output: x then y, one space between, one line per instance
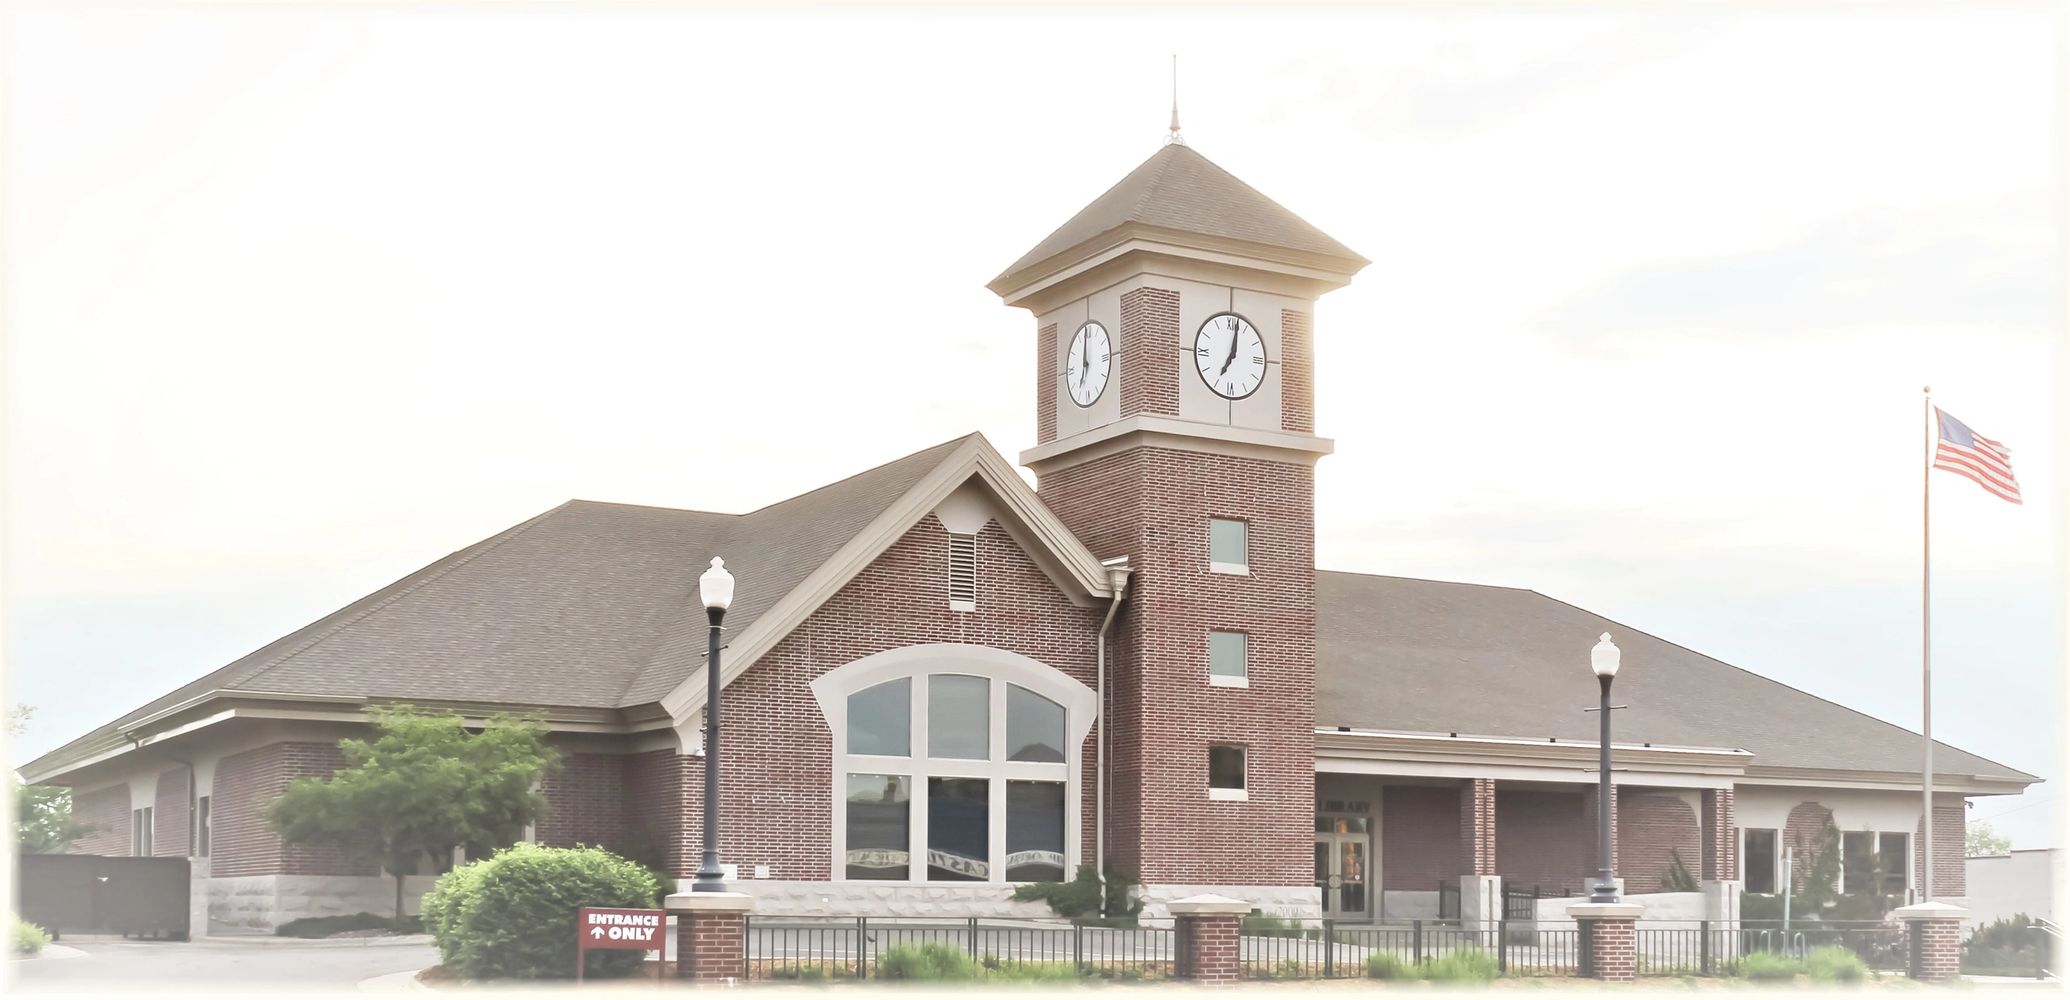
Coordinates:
1232 348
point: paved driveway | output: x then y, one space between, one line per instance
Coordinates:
214 966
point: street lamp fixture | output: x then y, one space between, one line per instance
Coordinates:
715 588
1603 659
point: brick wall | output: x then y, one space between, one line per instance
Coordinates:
1542 839
106 812
1296 371
245 784
776 749
1419 836
656 806
1148 368
585 802
1153 505
1720 836
1652 829
1048 371
170 822
1950 872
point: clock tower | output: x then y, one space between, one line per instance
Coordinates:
1175 426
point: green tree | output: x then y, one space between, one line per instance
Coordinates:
1817 860
423 785
43 821
1981 841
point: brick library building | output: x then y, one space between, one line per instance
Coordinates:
940 683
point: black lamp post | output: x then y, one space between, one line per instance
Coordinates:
1604 659
716 588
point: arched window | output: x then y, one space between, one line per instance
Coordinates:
955 763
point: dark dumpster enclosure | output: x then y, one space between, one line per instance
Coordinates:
87 894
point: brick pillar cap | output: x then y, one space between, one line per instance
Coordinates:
1930 910
1208 904
1605 911
685 902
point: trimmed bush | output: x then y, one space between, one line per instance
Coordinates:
1387 965
1768 967
29 939
1467 965
1834 964
321 927
933 962
513 917
1079 899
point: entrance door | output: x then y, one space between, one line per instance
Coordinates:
1343 866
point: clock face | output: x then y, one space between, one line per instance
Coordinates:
1230 355
1087 366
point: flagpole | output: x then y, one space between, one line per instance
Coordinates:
1926 646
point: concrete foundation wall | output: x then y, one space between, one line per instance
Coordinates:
263 902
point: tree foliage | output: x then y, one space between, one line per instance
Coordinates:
43 821
1980 841
421 786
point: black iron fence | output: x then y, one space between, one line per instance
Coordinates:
812 949
1522 904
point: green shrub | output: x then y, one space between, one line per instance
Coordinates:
29 939
1014 970
1768 967
514 918
1467 965
321 927
1079 899
933 962
1387 965
1256 924
1834 964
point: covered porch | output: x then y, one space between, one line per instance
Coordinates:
1412 827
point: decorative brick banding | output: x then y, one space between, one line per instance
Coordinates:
1477 826
1720 836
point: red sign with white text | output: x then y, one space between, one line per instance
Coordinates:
599 928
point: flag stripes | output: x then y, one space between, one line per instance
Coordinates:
1975 457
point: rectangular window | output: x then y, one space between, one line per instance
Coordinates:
1034 831
959 716
880 826
880 719
962 572
1229 546
1857 861
1034 727
1893 853
1228 656
1757 857
201 827
140 832
1226 773
959 830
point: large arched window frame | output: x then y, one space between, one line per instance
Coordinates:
1001 669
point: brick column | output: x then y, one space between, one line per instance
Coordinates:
1208 938
711 935
1477 826
1610 933
1720 847
1935 939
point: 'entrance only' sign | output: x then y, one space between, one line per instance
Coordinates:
599 928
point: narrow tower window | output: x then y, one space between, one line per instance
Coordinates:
1228 656
962 572
1226 773
1229 546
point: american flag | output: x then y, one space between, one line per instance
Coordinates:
1966 453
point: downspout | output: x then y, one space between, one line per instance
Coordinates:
1117 580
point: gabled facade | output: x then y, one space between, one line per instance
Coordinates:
941 683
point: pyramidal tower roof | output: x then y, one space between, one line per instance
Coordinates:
1179 191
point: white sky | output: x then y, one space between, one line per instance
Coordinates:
300 297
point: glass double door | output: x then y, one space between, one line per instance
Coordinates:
1343 866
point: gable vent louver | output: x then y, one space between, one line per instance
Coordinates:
962 571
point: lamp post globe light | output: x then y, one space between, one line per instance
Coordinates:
1603 659
715 587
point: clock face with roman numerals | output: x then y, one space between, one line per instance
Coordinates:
1087 366
1229 355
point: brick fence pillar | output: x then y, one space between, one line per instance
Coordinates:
711 935
1610 934
1209 936
1935 939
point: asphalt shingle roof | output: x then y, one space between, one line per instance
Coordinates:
1405 655
1177 188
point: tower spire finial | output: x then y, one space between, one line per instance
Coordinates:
1175 137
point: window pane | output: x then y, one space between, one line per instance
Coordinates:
1226 653
1225 767
880 719
1034 831
1759 861
959 711
879 826
958 830
1229 542
1891 856
1857 861
1034 727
